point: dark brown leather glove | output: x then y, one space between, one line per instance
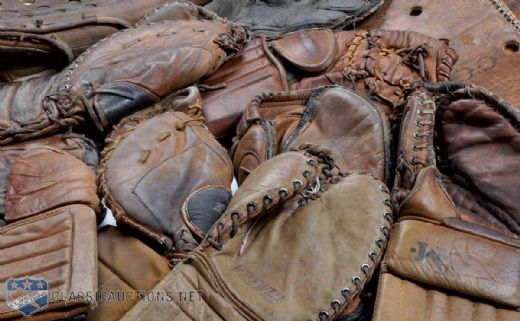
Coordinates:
77 145
36 35
382 64
352 128
459 151
274 18
117 76
298 241
44 178
163 174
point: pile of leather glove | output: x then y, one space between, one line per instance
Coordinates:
253 160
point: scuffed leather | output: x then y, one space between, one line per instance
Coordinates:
125 265
77 145
401 300
382 64
351 127
300 279
455 261
277 17
59 246
44 178
156 166
118 76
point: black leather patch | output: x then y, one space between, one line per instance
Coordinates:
118 100
207 206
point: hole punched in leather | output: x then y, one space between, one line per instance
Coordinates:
416 11
511 47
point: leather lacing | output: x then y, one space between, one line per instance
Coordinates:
426 119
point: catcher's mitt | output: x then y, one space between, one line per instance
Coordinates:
382 64
278 17
298 241
117 76
165 175
74 144
460 145
40 34
350 126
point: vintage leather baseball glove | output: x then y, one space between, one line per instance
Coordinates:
275 18
163 174
261 259
460 143
48 247
382 64
74 144
40 35
44 178
350 126
125 72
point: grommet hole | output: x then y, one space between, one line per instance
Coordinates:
416 11
511 47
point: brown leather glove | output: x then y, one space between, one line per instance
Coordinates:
77 145
459 155
117 76
456 190
261 259
44 178
58 248
127 269
49 34
350 126
382 64
163 174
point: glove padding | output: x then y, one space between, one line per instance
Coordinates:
43 178
50 34
123 73
163 174
59 247
459 151
278 17
287 206
74 144
381 64
348 125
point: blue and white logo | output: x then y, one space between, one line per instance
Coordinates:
27 295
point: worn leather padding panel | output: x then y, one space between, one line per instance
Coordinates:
482 151
276 17
313 52
205 207
401 300
59 246
476 29
455 261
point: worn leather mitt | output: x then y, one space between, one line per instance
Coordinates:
461 144
77 145
38 35
127 269
44 178
350 126
58 247
261 259
120 74
163 174
382 64
277 17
